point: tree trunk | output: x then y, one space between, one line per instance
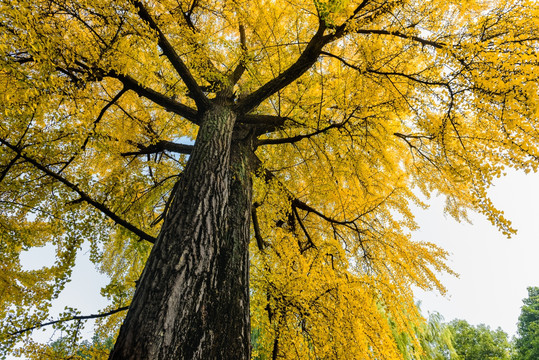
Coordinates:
192 301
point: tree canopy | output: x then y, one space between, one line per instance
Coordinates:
479 342
315 123
527 341
435 341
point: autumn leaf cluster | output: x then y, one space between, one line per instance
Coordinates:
403 100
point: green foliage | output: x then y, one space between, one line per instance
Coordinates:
527 342
479 342
434 341
65 348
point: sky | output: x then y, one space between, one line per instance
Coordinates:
494 270
82 292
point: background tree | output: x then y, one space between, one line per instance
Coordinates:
188 124
479 342
433 340
527 341
65 348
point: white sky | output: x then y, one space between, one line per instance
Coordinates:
82 292
494 271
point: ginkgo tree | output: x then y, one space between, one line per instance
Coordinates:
227 158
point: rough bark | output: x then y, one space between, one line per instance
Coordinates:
192 301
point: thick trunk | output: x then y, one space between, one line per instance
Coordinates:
192 301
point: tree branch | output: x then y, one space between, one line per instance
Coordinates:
260 242
293 139
109 104
240 69
297 203
84 317
8 167
310 243
385 73
96 121
83 195
305 61
264 123
269 120
161 146
194 89
309 56
168 103
187 16
339 31
418 39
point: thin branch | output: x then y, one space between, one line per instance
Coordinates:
194 89
32 209
293 139
83 195
435 44
96 121
73 318
417 149
385 73
412 136
210 77
309 56
409 77
109 104
304 206
167 204
187 16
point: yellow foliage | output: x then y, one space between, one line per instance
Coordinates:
437 97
